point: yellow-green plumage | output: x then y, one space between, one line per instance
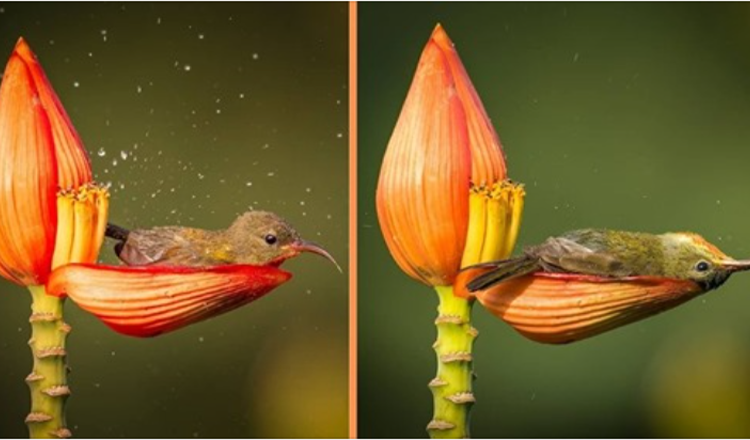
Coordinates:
618 254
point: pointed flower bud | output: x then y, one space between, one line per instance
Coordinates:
148 301
41 155
443 199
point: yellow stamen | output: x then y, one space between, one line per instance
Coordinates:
517 197
477 224
494 222
81 221
102 210
65 222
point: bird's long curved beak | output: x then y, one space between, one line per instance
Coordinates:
308 246
736 265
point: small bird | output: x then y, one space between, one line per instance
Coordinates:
256 237
591 281
618 254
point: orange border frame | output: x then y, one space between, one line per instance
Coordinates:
352 219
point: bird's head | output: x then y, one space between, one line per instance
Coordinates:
264 238
689 256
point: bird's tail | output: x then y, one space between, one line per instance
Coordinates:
116 232
504 270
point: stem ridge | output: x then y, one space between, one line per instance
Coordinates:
47 381
452 386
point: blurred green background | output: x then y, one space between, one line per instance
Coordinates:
626 116
196 113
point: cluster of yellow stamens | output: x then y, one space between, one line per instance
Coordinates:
81 222
494 220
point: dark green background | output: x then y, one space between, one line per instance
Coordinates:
204 143
627 116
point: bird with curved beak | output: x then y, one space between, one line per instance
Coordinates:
590 281
256 237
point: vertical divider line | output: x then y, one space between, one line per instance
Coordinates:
352 219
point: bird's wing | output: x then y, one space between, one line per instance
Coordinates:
566 254
158 246
498 271
561 254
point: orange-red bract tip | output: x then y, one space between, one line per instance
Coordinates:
148 301
23 50
74 168
488 160
563 308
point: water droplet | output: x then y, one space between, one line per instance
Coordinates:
271 174
124 155
339 135
201 36
187 67
158 20
138 89
76 84
114 162
101 152
201 176
242 96
308 190
249 184
256 56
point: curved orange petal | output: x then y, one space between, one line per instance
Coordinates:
488 161
28 179
562 308
423 190
74 169
148 301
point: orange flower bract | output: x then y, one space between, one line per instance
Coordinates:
556 308
40 153
442 150
148 301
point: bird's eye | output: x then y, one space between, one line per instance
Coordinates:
271 239
702 266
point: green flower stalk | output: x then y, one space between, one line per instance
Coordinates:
51 214
452 386
443 203
48 379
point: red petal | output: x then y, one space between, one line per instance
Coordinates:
28 179
561 308
148 301
73 165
